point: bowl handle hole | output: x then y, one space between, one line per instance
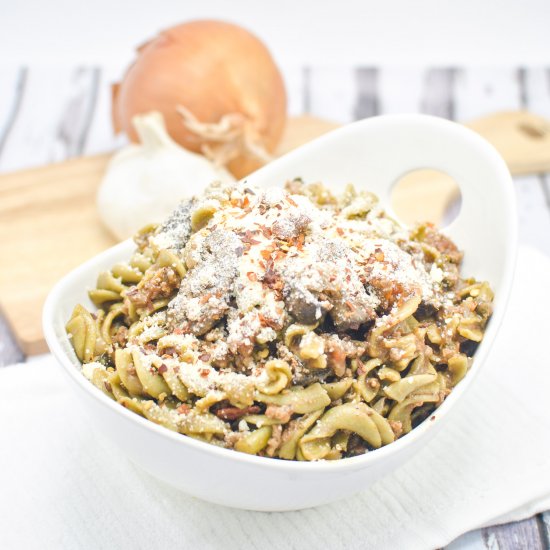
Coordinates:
426 195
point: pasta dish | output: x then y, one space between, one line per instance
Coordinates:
283 322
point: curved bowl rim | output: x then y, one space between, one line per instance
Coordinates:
294 466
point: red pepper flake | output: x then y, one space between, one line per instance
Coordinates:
271 278
263 320
350 305
267 322
289 199
183 408
280 255
205 298
204 358
266 253
300 242
245 202
432 418
163 368
252 276
204 373
340 231
379 255
248 237
176 369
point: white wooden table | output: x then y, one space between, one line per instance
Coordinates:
49 114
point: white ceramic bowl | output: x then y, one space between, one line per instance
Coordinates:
373 154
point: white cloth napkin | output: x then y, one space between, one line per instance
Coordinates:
64 486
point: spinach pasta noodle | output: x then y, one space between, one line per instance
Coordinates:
288 323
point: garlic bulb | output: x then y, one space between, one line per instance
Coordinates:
145 182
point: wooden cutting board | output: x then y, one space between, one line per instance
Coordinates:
49 223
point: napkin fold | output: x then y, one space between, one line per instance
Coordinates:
65 486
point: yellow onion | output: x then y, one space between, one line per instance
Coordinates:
217 87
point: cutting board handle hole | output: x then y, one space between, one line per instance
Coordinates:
426 195
533 131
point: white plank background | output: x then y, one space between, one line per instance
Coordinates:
51 113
